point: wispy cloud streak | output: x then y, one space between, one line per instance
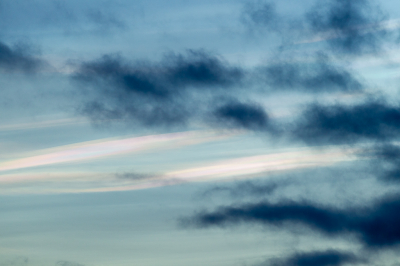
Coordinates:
107 147
230 169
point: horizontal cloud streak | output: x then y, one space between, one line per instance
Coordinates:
262 164
240 168
375 227
102 148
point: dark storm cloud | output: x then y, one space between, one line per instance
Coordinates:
371 120
166 93
375 227
19 58
349 26
319 76
318 258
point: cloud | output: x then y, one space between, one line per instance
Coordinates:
375 227
320 258
196 86
108 147
172 92
134 176
318 76
387 161
60 15
349 27
259 15
374 123
243 115
194 70
244 189
372 120
352 26
63 180
19 58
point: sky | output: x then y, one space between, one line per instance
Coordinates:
220 133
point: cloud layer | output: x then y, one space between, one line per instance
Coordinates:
374 226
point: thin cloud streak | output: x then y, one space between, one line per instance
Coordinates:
44 124
262 164
107 147
241 168
232 169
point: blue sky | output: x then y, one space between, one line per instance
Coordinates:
199 132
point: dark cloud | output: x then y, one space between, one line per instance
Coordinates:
372 120
19 58
349 26
387 164
376 226
317 258
243 115
319 76
198 68
167 93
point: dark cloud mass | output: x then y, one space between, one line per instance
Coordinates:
350 26
317 258
198 68
375 227
19 58
170 92
249 116
387 161
195 69
320 76
372 120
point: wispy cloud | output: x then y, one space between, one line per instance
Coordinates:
230 169
263 164
43 124
108 147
